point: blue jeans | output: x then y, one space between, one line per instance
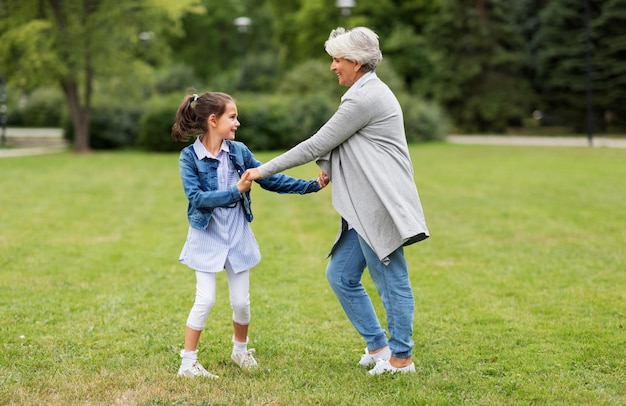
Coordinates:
350 256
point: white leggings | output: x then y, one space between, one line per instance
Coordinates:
239 289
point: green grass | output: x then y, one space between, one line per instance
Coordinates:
520 291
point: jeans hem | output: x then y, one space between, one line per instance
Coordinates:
405 354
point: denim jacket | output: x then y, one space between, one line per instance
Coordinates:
200 183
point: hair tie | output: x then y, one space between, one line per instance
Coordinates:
195 97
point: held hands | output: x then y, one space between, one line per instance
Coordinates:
323 180
245 183
253 174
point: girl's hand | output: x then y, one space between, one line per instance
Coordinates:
245 183
323 180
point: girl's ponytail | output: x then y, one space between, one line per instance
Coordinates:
186 124
194 111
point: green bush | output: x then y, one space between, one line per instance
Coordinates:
276 122
44 107
280 121
177 78
312 77
110 126
268 122
15 116
423 121
273 122
155 132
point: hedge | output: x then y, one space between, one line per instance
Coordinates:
110 126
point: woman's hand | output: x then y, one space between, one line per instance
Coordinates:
252 174
323 180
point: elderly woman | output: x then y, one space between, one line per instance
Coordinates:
364 151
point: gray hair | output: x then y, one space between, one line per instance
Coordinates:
359 45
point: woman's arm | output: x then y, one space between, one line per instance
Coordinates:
347 120
281 183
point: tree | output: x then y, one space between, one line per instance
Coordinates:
301 27
401 26
73 43
209 42
559 61
479 60
609 69
222 55
561 66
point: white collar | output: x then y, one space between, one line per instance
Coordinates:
359 83
202 152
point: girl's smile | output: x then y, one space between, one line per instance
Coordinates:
228 123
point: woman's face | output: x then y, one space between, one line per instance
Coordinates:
347 71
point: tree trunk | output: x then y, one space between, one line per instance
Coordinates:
80 116
81 133
80 112
481 8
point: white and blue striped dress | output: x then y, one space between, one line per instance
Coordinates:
228 241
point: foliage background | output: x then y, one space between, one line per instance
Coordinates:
480 66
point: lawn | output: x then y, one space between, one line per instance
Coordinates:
520 291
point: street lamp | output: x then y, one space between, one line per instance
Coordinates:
146 36
346 6
242 24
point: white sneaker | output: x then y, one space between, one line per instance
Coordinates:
368 359
245 360
196 370
385 367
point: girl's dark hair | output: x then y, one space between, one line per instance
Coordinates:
192 115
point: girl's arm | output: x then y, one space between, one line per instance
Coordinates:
286 184
198 193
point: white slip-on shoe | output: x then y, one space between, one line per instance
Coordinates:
385 367
245 360
196 370
367 359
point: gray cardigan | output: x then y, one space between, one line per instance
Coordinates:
363 150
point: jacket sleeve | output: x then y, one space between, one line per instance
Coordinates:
286 184
198 196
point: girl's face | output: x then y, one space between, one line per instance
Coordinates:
347 71
226 125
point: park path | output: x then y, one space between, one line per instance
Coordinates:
33 141
537 141
38 141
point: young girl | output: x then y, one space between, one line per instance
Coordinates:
219 237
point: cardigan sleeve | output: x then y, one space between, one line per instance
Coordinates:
350 117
